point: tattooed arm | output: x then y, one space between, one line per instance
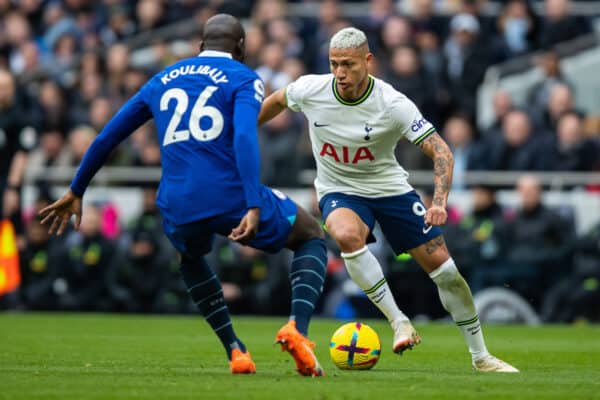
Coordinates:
443 163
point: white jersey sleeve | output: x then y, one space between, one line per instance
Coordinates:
297 91
410 121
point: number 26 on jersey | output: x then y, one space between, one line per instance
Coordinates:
199 110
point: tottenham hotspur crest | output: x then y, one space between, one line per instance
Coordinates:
368 129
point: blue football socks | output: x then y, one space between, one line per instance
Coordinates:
206 292
307 276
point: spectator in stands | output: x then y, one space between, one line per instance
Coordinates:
293 68
150 15
174 297
255 40
87 21
278 141
51 152
119 25
424 18
487 23
17 138
144 240
396 31
540 244
86 258
502 104
517 28
17 32
559 102
80 139
136 279
517 149
379 12
88 88
429 29
27 59
480 240
272 57
134 79
40 263
578 296
64 51
539 95
432 58
32 10
574 151
330 19
460 133
406 74
559 25
90 64
100 112
281 31
150 220
267 10
467 57
53 112
117 64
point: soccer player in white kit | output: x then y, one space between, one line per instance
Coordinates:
355 121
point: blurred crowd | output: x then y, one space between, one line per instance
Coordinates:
531 249
67 66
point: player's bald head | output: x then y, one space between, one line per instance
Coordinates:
349 38
223 32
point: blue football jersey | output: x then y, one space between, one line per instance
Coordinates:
205 109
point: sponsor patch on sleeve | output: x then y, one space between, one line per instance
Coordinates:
420 129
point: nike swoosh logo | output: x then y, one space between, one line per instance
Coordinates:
317 125
426 230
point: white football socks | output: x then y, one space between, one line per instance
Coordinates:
365 271
457 300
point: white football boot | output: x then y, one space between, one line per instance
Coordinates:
490 363
405 336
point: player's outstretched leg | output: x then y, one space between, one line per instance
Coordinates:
206 292
366 272
457 300
307 276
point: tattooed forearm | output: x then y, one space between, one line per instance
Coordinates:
443 163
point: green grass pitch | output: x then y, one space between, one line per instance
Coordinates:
77 356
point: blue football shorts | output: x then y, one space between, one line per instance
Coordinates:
277 217
401 218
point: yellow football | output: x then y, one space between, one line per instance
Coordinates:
355 346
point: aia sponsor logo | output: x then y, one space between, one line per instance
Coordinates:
418 124
346 155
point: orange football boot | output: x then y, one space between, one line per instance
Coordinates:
300 348
241 363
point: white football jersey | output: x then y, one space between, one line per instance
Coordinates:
353 142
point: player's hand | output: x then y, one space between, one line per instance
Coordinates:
248 227
436 216
59 213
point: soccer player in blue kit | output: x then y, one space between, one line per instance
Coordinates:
206 110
